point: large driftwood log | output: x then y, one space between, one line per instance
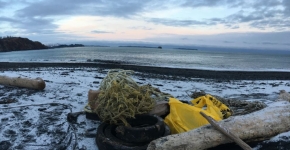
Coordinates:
265 123
37 83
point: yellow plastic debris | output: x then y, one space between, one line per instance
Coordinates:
184 117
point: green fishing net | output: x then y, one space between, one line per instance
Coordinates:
121 98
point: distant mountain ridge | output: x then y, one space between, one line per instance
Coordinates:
18 43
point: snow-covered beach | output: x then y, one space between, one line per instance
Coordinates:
65 67
32 119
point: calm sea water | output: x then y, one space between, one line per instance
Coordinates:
210 60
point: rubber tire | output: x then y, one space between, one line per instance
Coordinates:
107 141
166 131
110 133
92 116
152 127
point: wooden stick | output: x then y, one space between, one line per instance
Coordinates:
226 132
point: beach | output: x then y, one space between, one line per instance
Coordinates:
37 119
228 59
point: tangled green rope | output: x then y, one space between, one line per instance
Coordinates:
121 98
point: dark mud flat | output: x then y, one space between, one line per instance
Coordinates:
188 73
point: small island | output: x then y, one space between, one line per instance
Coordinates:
11 43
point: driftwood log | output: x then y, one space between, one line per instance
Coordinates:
161 109
37 83
284 96
265 123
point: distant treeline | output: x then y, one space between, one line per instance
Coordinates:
65 45
10 43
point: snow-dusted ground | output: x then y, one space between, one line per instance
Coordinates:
31 119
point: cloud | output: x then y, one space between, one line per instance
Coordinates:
2 4
120 8
286 3
259 14
232 26
6 19
140 28
277 37
268 40
179 23
100 32
261 4
46 17
278 24
41 15
241 17
211 3
30 25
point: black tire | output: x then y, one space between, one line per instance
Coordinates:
166 130
92 116
107 141
144 128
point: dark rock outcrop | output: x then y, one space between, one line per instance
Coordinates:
18 43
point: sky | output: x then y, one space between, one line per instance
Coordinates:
261 24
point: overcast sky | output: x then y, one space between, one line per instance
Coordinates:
233 23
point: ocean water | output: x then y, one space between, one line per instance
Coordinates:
193 59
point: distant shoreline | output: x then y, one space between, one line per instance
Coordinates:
193 49
159 47
65 46
175 72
